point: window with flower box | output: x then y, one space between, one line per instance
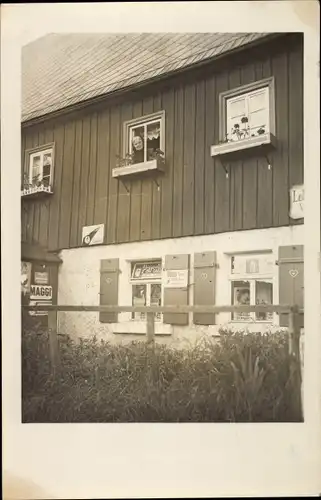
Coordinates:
38 175
247 117
146 283
251 280
143 145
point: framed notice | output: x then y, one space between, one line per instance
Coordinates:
41 278
176 278
297 202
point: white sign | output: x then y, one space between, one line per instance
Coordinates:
40 292
176 278
39 303
297 202
93 235
41 278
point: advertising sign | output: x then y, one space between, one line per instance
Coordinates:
93 235
25 277
176 278
297 202
40 292
41 278
39 303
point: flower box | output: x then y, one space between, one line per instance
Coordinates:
243 144
32 191
138 168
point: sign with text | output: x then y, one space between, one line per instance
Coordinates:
146 270
41 278
176 278
39 303
40 292
297 202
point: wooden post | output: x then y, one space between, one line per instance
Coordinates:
295 362
291 331
150 330
53 341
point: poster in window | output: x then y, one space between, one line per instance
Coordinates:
25 277
241 297
264 296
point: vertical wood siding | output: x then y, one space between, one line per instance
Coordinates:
194 195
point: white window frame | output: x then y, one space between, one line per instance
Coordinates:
40 151
148 282
252 279
143 121
249 90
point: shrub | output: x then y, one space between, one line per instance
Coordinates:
242 378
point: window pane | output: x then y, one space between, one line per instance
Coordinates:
236 110
264 295
257 120
137 144
153 139
258 101
139 299
46 165
241 296
35 168
156 297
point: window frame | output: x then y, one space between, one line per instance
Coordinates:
40 150
141 121
252 279
245 89
148 282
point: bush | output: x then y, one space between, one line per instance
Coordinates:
242 378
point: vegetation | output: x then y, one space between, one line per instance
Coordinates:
242 378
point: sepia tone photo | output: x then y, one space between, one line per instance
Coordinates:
162 228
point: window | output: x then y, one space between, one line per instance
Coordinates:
146 286
40 166
145 137
252 284
247 111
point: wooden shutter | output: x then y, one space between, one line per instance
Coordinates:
291 279
204 285
176 296
109 274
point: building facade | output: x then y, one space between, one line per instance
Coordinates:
168 185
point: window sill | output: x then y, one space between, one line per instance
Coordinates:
36 191
243 144
139 328
137 168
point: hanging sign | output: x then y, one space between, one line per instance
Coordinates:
297 202
176 278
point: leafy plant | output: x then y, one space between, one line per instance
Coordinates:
241 378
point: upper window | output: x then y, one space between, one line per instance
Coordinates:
144 138
252 284
39 167
247 111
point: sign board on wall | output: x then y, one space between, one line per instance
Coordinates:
297 202
40 292
175 278
39 303
41 278
93 235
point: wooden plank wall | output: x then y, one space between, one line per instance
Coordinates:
194 197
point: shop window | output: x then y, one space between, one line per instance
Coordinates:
146 286
252 284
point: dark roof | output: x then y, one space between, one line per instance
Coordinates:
60 70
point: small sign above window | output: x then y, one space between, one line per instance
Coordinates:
297 202
93 235
146 270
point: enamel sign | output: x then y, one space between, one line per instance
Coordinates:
176 279
93 235
297 202
40 292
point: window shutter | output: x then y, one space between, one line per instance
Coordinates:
109 274
176 296
291 279
204 285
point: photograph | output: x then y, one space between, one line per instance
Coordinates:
162 220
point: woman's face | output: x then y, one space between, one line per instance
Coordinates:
245 298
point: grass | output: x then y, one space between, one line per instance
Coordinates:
243 378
